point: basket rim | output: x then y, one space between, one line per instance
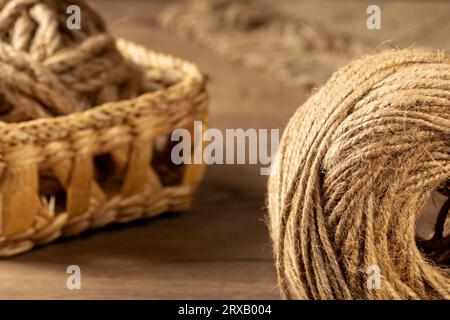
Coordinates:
191 83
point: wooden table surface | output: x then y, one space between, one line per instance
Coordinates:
218 250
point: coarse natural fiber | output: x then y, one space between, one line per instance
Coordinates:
47 69
62 175
356 166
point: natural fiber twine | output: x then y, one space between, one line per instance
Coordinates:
48 70
62 175
357 163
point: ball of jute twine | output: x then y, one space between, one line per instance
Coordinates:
48 69
356 165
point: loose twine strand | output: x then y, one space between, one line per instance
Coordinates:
49 70
356 165
298 51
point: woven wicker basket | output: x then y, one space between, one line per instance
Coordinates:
109 164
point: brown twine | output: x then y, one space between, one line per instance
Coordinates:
47 69
356 166
298 51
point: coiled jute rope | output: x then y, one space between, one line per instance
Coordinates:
356 166
48 69
69 170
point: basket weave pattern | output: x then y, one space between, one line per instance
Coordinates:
67 146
